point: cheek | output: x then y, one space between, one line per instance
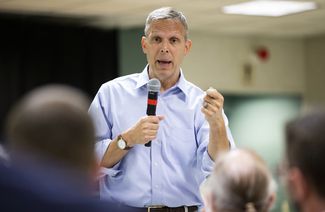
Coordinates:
153 51
180 56
181 52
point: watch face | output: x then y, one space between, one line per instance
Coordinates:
121 144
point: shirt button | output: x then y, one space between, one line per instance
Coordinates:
156 164
157 186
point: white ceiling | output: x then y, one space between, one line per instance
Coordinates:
202 15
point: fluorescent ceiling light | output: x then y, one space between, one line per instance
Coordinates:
269 7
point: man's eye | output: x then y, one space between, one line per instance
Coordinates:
174 40
156 39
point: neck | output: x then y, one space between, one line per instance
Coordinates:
167 82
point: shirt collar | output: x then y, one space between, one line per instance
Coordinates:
143 77
182 83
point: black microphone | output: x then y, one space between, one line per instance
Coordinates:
153 89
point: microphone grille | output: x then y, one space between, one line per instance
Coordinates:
154 85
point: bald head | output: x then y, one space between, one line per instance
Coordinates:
52 122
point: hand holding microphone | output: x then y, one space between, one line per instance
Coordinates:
146 128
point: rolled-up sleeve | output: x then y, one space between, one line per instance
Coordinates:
99 112
207 163
101 147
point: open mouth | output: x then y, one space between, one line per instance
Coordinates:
164 61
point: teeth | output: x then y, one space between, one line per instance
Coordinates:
159 61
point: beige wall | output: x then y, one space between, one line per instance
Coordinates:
218 61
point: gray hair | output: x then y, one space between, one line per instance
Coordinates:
166 13
241 181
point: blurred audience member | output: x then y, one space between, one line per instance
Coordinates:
305 151
51 147
239 182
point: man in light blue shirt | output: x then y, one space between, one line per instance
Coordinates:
190 128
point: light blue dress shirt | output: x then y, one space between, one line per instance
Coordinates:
172 169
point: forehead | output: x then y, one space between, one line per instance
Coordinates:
167 26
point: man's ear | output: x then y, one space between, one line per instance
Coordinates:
144 44
188 46
298 186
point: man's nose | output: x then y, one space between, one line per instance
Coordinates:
164 48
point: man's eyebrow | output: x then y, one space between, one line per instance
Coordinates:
175 37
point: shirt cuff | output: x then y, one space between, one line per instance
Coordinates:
101 147
207 164
111 172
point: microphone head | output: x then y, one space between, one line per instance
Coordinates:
154 85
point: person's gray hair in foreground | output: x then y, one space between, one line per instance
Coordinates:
241 181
